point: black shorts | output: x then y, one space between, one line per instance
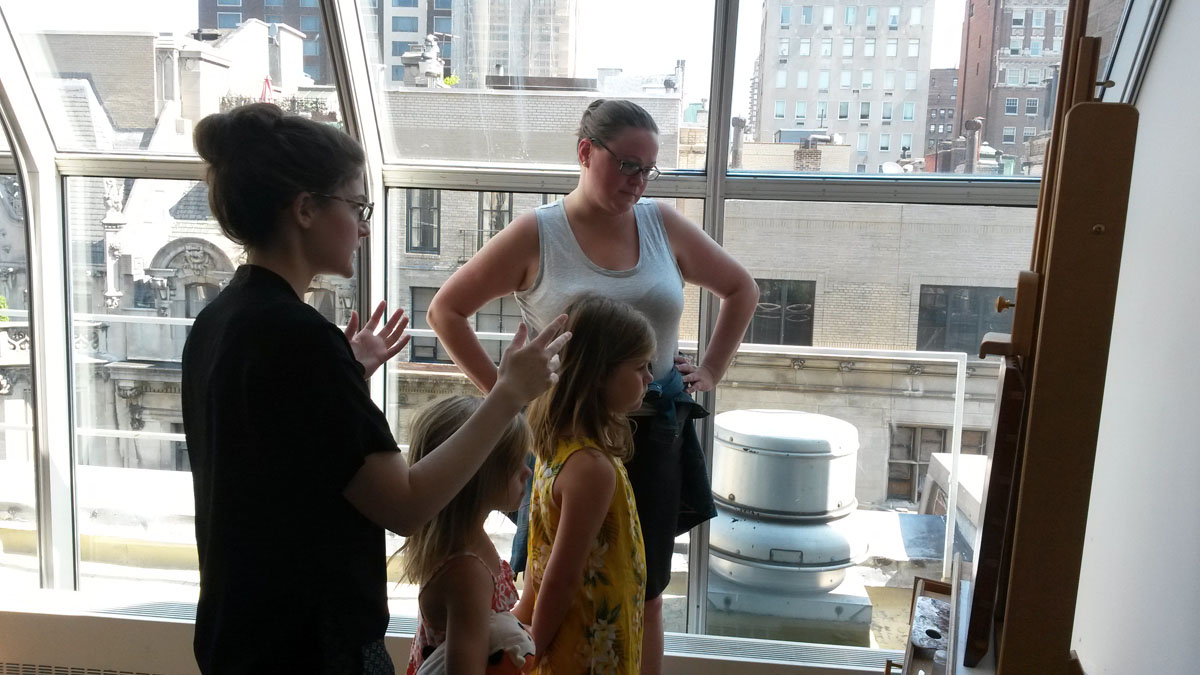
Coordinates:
656 475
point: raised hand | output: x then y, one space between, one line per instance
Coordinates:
373 348
526 370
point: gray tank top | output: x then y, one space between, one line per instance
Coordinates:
654 286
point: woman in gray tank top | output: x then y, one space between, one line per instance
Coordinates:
604 238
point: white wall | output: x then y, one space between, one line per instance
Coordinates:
1139 591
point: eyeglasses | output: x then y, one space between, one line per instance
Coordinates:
627 168
365 209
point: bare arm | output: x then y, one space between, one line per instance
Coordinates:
585 486
468 603
709 266
501 267
393 495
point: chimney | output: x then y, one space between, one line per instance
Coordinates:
735 154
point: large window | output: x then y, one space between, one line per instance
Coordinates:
955 318
476 134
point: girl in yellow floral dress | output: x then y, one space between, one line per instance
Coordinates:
586 584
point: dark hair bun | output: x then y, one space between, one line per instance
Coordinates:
219 136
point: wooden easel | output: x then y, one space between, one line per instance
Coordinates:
1052 383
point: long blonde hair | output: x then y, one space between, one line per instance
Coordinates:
448 532
604 333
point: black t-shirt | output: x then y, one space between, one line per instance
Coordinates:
278 420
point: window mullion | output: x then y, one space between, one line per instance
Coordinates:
50 336
717 159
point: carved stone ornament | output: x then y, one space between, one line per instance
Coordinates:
13 198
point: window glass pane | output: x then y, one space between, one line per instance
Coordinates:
146 256
919 42
19 526
552 57
165 67
424 371
908 278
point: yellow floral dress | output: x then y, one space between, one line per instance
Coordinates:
602 632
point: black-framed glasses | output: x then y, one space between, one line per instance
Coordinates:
627 168
365 209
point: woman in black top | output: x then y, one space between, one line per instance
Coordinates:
295 469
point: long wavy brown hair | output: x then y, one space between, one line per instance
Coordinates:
604 333
450 529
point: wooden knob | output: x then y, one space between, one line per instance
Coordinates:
1003 303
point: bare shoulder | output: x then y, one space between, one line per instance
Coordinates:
462 581
588 474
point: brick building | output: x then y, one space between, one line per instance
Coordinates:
1011 52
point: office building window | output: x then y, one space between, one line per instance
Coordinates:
1010 105
1018 18
827 16
441 24
910 79
229 19
823 80
805 47
869 47
801 110
872 17
399 47
397 73
864 142
424 219
864 110
806 15
802 79
955 318
404 24
893 46
885 142
868 79
843 110
914 48
906 141
826 46
851 15
914 18
495 211
312 48
1009 136
889 79
784 47
785 17
887 111
1027 133
1013 76
1039 18
784 315
1034 76
1031 106
909 111
1014 46
781 78
780 106
911 449
844 79
893 18
404 3
848 47
1035 47
822 111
